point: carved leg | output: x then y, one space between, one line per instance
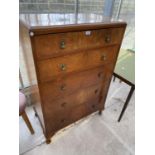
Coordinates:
24 116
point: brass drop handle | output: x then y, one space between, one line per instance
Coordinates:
107 39
63 87
62 44
103 57
63 67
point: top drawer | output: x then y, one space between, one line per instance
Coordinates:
50 45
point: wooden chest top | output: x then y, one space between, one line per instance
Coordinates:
53 23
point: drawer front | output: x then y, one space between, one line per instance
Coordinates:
63 119
50 45
50 69
85 109
62 104
66 85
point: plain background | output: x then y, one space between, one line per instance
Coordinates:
145 77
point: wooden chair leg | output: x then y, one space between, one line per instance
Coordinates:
24 116
126 102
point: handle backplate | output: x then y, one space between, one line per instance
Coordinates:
63 67
62 44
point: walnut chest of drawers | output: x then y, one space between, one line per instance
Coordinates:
74 60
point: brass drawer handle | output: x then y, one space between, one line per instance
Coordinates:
107 39
63 67
63 87
62 44
103 57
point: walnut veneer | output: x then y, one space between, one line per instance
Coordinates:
74 62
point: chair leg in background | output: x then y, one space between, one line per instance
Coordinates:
126 102
24 116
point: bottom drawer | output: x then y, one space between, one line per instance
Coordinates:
72 115
84 110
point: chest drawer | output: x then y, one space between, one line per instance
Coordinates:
49 69
66 85
84 110
47 46
61 120
71 101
